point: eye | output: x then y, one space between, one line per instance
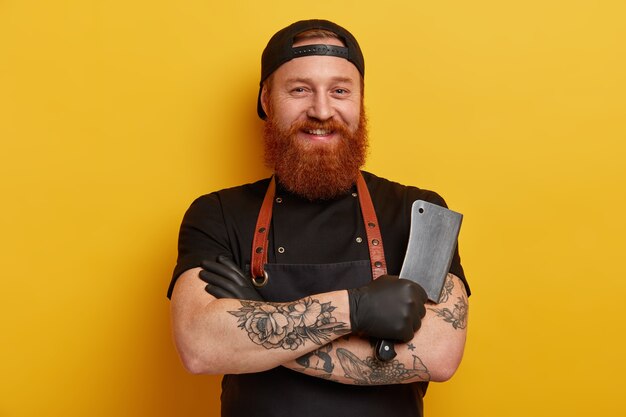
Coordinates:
298 90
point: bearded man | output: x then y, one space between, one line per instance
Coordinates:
281 285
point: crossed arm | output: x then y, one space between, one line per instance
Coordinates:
311 335
434 353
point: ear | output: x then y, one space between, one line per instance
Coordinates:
265 97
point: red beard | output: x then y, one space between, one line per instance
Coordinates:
316 171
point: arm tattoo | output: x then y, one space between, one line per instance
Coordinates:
447 289
318 361
458 316
373 372
288 325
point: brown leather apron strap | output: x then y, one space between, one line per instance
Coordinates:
261 236
372 229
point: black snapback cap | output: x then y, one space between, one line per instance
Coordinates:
280 49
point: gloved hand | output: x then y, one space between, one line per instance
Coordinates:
226 280
387 308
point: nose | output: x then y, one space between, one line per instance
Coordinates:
321 107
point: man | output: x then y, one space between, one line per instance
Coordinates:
273 285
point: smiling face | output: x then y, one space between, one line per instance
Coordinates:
315 133
314 88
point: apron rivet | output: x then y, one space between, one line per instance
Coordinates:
378 264
279 200
375 242
281 250
370 224
354 195
262 230
259 250
359 240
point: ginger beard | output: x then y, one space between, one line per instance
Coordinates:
316 171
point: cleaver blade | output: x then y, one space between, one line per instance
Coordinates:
432 242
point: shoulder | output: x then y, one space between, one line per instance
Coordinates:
232 195
220 206
384 190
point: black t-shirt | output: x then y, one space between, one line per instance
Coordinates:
301 231
311 235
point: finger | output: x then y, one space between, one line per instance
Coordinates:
416 325
249 293
218 292
234 290
421 311
226 272
219 281
409 334
418 309
387 278
225 260
205 275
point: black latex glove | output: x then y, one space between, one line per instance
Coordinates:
387 308
226 280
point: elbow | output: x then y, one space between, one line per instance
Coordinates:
194 365
443 372
196 354
201 364
192 362
195 360
444 365
201 359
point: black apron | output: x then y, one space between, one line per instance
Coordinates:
283 392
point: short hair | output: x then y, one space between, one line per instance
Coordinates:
316 34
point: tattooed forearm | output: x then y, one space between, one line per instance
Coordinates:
371 371
447 289
319 362
458 316
288 325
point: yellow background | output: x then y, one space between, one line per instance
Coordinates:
115 115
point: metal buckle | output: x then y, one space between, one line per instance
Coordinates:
259 284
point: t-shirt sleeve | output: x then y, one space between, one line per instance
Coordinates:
202 236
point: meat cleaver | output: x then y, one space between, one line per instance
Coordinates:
432 242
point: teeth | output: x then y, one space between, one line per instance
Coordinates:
318 132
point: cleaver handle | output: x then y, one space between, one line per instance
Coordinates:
385 350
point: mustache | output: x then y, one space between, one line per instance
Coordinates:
313 124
